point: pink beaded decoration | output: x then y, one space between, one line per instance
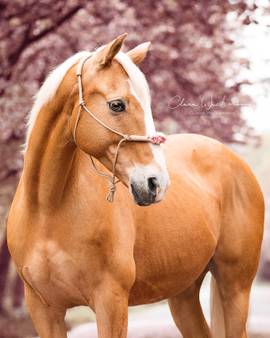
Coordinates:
158 138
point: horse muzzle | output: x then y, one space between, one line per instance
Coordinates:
148 188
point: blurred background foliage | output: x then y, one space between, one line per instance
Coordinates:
193 62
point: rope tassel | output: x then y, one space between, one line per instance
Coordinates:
112 190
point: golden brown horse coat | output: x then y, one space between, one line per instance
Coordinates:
71 247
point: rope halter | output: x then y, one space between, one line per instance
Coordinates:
155 139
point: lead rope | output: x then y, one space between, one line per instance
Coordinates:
112 178
156 139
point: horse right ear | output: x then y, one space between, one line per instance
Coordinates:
107 53
139 53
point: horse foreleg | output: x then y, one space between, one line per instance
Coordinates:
111 307
187 312
48 320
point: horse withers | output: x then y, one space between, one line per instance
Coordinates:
71 247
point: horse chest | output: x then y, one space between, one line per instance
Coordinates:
55 275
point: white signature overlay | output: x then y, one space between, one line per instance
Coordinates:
208 104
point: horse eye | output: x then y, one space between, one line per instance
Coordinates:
117 106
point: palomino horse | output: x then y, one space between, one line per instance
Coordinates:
71 247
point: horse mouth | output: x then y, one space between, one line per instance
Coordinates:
143 198
143 204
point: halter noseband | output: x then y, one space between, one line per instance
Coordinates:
155 139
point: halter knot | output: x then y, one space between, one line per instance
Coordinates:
126 137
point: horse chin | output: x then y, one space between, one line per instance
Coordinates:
143 204
146 204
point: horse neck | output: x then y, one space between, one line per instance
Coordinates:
50 155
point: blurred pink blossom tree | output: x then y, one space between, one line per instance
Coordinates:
191 66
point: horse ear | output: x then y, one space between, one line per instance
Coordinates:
106 55
138 53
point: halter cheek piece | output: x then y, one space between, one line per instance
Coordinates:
155 139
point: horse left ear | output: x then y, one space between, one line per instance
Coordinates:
138 53
106 54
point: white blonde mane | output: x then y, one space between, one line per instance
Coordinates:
49 88
53 81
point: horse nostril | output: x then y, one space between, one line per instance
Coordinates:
153 185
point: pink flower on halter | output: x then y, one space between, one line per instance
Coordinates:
158 138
